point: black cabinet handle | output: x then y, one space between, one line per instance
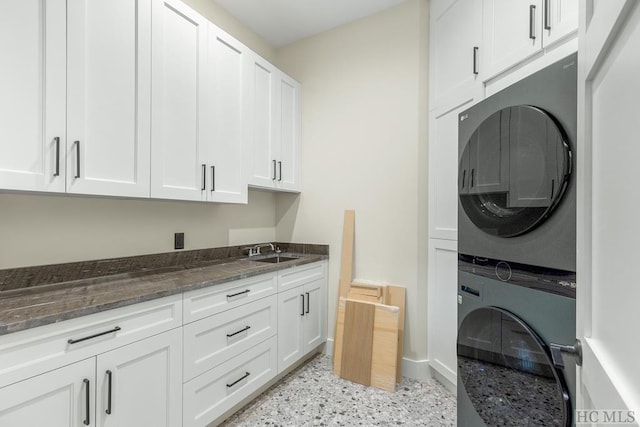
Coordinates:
308 298
274 170
532 21
57 140
475 60
87 397
238 380
547 15
204 177
464 176
246 328
109 377
302 311
280 168
472 177
99 334
246 291
213 179
77 144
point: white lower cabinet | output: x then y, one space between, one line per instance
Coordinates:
301 321
209 395
140 384
55 399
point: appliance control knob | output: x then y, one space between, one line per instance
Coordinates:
503 271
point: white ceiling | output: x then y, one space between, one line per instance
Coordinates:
281 22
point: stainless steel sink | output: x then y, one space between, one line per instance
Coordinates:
276 259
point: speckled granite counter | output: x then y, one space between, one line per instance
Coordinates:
29 305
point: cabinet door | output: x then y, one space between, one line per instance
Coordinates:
456 32
289 162
315 314
55 399
560 20
179 50
489 150
32 95
141 384
228 94
264 151
291 308
512 32
109 83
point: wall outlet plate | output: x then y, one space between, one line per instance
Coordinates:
178 241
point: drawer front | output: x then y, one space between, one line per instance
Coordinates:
296 276
208 396
35 351
216 299
211 341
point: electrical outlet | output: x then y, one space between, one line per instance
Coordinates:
178 241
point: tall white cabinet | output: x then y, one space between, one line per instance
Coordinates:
476 48
108 102
33 111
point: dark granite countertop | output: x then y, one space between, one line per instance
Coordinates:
32 306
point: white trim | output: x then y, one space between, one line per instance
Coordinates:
451 386
328 348
416 369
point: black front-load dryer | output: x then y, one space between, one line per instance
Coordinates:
516 176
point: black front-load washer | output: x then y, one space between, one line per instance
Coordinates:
516 176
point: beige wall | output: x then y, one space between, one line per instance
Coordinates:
43 229
364 118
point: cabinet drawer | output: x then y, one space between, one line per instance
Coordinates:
211 341
300 275
38 350
216 299
208 396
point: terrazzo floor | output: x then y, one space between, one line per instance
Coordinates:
312 396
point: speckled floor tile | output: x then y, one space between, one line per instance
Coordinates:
312 396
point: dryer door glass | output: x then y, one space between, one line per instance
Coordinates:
507 373
514 170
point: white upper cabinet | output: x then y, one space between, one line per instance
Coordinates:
179 52
109 83
289 161
228 117
515 30
275 120
32 94
456 34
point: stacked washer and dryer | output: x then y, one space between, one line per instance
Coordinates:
517 253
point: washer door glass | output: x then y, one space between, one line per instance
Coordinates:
507 372
514 171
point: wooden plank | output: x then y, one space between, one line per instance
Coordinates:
384 354
346 275
359 329
363 297
395 296
339 337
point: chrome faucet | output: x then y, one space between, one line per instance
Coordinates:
255 250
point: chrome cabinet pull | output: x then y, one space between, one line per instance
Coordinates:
308 301
99 334
532 21
246 328
77 144
109 375
57 140
87 397
475 60
204 177
280 167
238 380
213 179
547 15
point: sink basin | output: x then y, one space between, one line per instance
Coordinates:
276 259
